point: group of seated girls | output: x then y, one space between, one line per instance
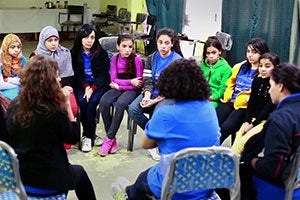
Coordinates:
245 98
258 99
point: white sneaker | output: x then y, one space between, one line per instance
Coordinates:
117 192
154 154
98 141
86 144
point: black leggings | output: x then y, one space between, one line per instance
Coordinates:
230 120
82 185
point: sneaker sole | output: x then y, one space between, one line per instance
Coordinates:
123 183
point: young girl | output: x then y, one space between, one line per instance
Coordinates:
216 69
126 70
49 45
168 50
175 127
260 105
91 67
11 63
231 112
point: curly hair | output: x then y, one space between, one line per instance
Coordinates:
183 80
40 91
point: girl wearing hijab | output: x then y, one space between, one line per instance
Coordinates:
11 63
49 46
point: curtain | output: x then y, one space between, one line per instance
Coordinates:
295 36
268 19
169 13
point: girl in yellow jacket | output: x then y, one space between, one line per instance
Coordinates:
231 112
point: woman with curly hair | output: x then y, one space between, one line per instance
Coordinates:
39 122
190 122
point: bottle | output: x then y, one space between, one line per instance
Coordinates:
65 4
57 5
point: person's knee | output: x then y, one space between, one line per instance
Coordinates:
105 103
121 105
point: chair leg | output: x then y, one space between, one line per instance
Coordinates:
132 128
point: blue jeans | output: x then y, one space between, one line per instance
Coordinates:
120 100
267 190
136 112
88 111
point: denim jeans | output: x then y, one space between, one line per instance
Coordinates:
88 111
120 100
136 112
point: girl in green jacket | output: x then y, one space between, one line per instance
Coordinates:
215 68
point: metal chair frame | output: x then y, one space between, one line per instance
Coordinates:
72 10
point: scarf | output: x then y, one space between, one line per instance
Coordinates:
61 54
10 65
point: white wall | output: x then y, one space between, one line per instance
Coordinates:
13 4
203 18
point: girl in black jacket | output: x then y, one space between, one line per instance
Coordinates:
91 68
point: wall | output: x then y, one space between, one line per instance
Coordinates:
133 6
13 4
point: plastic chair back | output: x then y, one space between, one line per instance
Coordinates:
202 168
9 174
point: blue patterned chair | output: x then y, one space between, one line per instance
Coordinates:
202 168
10 177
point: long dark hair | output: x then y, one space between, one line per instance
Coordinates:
174 39
130 64
260 46
83 32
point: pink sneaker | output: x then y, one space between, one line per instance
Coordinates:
106 147
114 146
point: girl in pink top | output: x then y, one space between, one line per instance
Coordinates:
126 71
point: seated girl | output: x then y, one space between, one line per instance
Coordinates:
11 63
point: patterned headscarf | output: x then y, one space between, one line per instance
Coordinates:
10 65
